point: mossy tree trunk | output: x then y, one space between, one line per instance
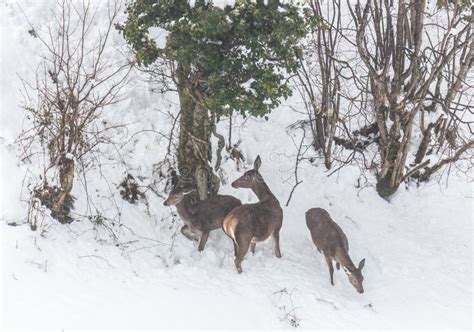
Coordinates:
195 149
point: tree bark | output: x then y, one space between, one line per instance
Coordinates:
62 203
195 150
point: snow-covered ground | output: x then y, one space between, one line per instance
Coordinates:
141 272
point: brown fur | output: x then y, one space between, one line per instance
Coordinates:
251 223
200 217
332 242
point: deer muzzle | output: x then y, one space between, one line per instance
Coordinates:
235 184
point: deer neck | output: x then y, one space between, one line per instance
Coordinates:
262 191
187 207
343 258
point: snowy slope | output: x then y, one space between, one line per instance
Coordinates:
141 273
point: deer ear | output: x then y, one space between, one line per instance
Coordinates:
257 163
361 264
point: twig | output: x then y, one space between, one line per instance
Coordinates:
299 157
95 256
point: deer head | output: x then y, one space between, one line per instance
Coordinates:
180 190
355 276
250 178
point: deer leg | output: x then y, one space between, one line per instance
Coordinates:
276 242
203 240
331 268
186 232
236 248
242 248
338 266
252 247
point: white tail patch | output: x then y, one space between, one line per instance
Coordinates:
229 227
231 233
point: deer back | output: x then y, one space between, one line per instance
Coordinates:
326 234
207 214
210 213
256 220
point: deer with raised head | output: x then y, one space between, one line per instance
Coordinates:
251 223
199 217
332 242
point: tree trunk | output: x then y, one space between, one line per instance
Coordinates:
386 185
423 148
195 150
63 201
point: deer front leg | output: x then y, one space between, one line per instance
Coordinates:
252 248
203 240
276 242
331 268
185 230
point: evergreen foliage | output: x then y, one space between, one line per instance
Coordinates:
240 55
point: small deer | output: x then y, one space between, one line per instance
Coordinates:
331 240
199 217
251 223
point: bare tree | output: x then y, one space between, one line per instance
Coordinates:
417 60
76 80
319 78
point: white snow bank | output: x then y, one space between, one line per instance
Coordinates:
418 248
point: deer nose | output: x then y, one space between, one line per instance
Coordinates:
361 291
165 203
234 184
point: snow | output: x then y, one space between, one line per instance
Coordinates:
418 247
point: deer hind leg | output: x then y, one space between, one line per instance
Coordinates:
203 240
242 248
331 268
338 266
276 242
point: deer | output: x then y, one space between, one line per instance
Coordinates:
199 217
329 239
251 223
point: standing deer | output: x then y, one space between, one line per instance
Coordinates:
331 240
199 217
251 223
